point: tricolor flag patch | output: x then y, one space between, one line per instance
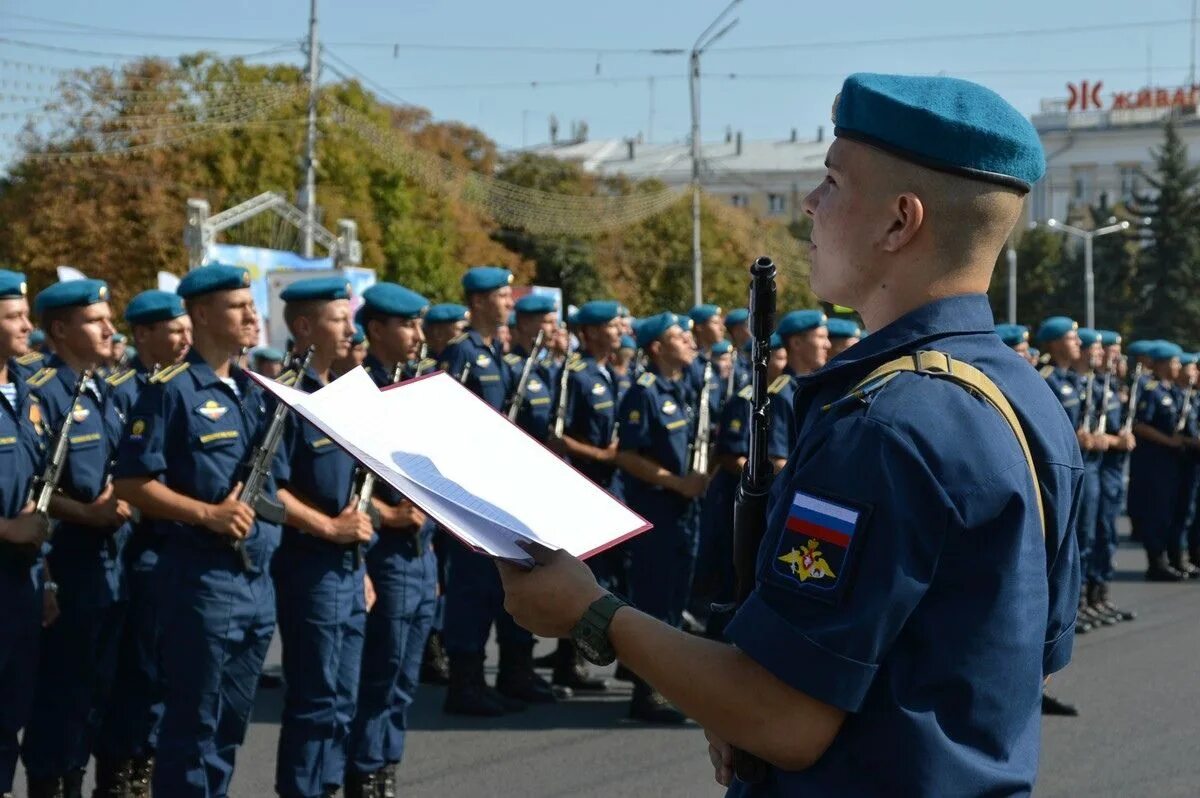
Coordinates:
815 544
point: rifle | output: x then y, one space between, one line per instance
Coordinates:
560 412
1102 424
1133 397
253 488
1087 404
421 356
750 501
366 488
703 421
47 484
1187 406
523 383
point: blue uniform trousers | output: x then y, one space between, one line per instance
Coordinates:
20 633
714 560
474 601
403 568
662 561
322 620
1154 491
1112 501
135 708
1185 512
76 665
1089 509
216 623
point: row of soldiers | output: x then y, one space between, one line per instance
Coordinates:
137 634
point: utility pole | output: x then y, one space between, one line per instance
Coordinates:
698 49
1089 275
310 156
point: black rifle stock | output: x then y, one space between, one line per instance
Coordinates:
47 483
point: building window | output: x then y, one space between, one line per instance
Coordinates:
737 200
776 203
1131 181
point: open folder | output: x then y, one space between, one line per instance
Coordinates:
467 466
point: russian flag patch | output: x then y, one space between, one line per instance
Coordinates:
815 543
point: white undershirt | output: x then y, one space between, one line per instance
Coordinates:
232 383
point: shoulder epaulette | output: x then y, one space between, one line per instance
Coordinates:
170 373
646 380
1151 385
287 378
458 339
780 383
29 358
578 364
1046 371
117 379
747 392
426 364
42 376
512 359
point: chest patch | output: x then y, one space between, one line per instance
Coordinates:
1066 390
598 389
212 410
1166 401
669 407
80 413
482 360
534 385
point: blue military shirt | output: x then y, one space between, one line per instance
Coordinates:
904 576
22 444
1068 389
716 393
781 436
126 386
191 429
733 433
536 409
591 412
489 378
658 422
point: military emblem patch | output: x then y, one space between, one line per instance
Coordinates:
80 414
212 410
814 546
137 429
635 416
1066 390
35 416
598 389
669 407
482 360
533 385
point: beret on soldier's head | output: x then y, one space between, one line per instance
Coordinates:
737 316
1109 337
598 311
721 347
481 279
1055 328
359 336
318 289
1138 348
627 342
1088 336
390 299
37 337
800 321
947 124
1035 353
776 341
73 293
154 306
843 328
212 278
537 304
268 354
1012 334
1187 359
119 338
446 313
512 319
1165 350
651 328
702 313
12 285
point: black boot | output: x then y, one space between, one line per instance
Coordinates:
570 670
360 785
140 776
1159 570
517 678
1182 563
623 673
112 778
1086 613
649 705
387 785
1053 706
469 694
435 665
73 784
1106 617
550 660
1103 603
44 788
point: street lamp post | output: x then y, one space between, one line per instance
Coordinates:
1089 277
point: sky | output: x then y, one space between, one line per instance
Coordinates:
425 52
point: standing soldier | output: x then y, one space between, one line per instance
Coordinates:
806 340
843 334
534 313
354 358
402 567
318 570
189 438
1015 337
1094 445
79 650
658 427
1189 473
22 530
162 333
707 327
624 365
443 323
266 361
474 597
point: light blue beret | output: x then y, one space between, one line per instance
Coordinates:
1088 336
843 328
598 311
12 285
316 289
800 321
37 337
1138 348
390 299
446 313
1055 328
702 313
947 124
212 278
627 342
1034 353
651 328
1187 359
153 306
73 293
721 347
737 316
1110 337
776 341
481 279
1012 334
268 354
1165 350
359 335
535 304
119 338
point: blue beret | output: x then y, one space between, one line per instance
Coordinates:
1054 328
721 347
627 342
1088 336
212 278
37 337
799 321
651 328
268 354
1187 359
702 313
119 338
737 316
1110 337
153 306
445 313
390 299
482 279
317 288
359 335
1034 353
1012 334
74 293
947 124
776 341
1138 348
598 311
843 328
535 304
12 284
1165 350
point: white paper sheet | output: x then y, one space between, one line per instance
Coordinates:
466 465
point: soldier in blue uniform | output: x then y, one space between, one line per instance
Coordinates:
402 567
843 334
624 365
806 340
266 361
706 328
658 427
22 531
162 332
533 313
319 571
354 358
79 650
443 323
474 597
1177 553
885 594
189 437
1089 385
1015 337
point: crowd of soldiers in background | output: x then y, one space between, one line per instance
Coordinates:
193 517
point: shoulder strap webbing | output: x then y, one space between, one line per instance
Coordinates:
940 364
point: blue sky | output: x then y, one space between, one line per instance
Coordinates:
617 102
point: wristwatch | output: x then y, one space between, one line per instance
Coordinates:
591 633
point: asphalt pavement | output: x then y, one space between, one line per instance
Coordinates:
1137 685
